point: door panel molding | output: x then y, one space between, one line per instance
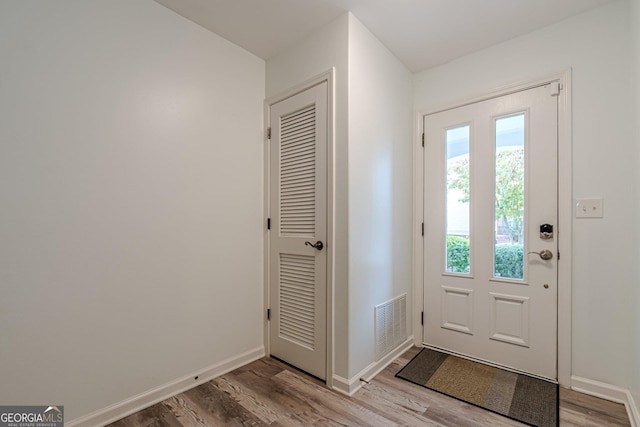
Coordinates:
565 204
506 325
457 309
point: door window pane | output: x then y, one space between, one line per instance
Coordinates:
509 197
458 254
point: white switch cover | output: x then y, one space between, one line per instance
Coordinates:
589 208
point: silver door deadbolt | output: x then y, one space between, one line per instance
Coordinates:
546 231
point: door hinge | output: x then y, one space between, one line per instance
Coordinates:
268 133
423 139
422 318
423 228
268 314
555 88
558 255
268 223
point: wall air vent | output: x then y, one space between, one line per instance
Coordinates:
391 325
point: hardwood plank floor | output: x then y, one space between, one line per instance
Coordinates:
269 392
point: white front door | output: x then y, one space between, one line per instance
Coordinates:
490 230
298 235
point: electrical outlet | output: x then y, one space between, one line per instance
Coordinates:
589 208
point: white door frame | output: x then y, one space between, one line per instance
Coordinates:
327 76
565 209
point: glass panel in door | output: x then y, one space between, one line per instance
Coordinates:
458 253
509 197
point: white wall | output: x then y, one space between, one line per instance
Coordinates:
326 48
131 194
597 45
635 22
380 187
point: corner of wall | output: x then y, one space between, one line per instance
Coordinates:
351 385
325 49
148 398
117 220
380 187
634 408
608 392
635 26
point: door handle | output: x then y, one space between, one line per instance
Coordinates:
545 254
318 245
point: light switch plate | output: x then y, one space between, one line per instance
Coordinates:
589 208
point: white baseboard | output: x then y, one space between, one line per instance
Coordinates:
143 400
352 385
608 392
634 412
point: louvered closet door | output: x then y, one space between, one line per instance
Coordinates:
298 187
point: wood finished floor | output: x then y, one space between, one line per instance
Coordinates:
268 392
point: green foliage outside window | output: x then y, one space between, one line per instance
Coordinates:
457 254
509 261
509 258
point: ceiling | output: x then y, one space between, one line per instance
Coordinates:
421 33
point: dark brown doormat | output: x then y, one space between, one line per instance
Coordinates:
520 397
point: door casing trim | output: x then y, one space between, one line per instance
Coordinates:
328 77
565 208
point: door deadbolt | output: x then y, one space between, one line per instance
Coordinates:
546 231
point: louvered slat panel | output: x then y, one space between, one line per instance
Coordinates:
297 173
297 299
302 131
391 325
